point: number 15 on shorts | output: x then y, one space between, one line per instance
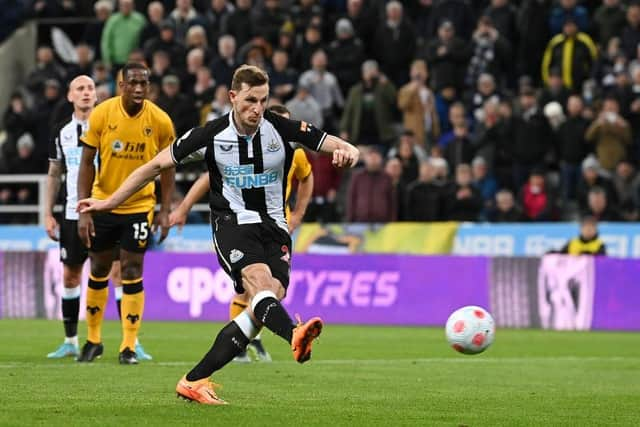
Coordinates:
141 233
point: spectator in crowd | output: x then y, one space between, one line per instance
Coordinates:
239 24
532 138
324 88
223 66
18 120
160 66
121 34
533 36
220 104
203 90
490 54
537 198
458 12
215 17
184 16
555 90
630 36
484 182
306 13
83 64
599 207
368 114
178 106
166 41
393 168
282 78
196 38
47 68
371 196
609 20
463 202
417 103
347 55
456 144
155 16
195 61
573 52
326 182
592 177
503 15
269 19
311 43
304 107
43 113
505 208
395 43
568 10
485 90
364 21
93 31
571 146
409 156
610 134
626 183
424 198
448 56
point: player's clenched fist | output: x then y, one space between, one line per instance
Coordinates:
345 157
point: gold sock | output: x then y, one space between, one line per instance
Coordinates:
132 306
236 307
97 295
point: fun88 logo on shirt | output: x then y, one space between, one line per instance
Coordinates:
243 177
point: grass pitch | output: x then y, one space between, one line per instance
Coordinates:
369 376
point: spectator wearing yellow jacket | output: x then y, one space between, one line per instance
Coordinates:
571 51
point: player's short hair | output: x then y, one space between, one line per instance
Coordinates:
129 66
250 75
279 109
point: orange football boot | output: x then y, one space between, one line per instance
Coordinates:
303 336
201 391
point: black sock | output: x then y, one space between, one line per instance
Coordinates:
70 310
118 304
230 342
272 314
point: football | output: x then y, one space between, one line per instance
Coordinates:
470 330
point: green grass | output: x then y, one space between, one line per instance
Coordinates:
358 376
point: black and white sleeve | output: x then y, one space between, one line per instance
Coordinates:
301 132
55 150
190 147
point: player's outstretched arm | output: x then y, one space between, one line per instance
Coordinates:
344 154
135 182
196 192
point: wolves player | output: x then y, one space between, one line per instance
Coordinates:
125 132
247 153
301 169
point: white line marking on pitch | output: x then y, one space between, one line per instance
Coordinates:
454 360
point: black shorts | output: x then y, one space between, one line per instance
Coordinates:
132 232
72 250
238 246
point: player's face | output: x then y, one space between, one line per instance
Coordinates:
82 93
135 86
249 104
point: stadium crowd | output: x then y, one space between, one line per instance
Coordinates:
477 110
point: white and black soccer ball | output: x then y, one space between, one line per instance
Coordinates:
470 330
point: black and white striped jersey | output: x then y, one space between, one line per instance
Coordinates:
65 147
247 174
